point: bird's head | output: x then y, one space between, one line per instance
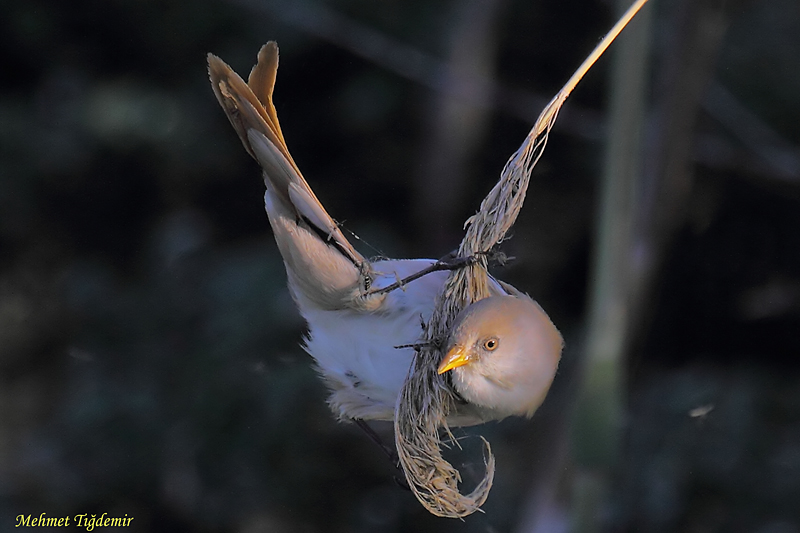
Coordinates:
503 352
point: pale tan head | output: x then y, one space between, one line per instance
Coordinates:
503 353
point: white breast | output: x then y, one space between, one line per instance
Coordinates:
355 351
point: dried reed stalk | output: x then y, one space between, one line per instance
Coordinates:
426 399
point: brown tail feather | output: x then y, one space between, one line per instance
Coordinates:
308 254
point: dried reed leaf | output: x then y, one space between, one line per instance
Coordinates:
426 400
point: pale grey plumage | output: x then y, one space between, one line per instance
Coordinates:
353 329
503 353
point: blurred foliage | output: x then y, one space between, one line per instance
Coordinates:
149 357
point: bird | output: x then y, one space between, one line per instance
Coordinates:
365 316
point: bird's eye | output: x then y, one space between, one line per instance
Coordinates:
491 344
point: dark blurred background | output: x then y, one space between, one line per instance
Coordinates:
149 357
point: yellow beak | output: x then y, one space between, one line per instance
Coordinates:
455 357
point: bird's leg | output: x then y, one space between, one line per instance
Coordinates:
448 262
390 452
374 437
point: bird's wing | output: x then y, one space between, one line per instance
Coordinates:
324 270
